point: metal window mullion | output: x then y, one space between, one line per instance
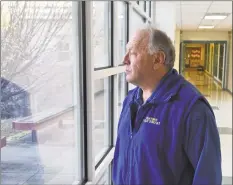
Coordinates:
89 92
77 91
107 72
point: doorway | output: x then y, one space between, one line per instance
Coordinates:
208 55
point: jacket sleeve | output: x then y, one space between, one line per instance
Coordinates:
202 145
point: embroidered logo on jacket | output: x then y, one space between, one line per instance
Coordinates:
151 120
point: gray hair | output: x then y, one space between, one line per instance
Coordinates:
159 41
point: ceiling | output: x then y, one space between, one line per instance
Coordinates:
190 14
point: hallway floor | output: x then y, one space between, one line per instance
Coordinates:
221 102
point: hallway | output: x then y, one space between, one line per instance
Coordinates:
221 102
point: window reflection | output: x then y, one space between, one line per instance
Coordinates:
40 119
101 33
122 30
121 91
102 121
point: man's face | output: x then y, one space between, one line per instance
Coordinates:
139 63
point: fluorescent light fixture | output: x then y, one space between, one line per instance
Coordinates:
206 27
215 16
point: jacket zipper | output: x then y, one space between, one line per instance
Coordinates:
128 163
128 148
131 137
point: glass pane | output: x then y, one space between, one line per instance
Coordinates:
136 21
147 7
121 91
101 34
102 117
40 116
142 5
121 31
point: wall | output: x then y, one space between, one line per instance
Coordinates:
204 35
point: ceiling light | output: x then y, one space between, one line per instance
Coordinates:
215 16
206 27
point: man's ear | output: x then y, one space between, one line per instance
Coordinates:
158 60
162 57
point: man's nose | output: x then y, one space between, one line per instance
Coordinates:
126 59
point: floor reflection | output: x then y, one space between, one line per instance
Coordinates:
221 102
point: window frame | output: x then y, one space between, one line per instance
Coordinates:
82 91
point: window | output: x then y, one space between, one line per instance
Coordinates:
121 91
105 179
101 34
102 118
136 21
142 5
40 98
148 8
122 30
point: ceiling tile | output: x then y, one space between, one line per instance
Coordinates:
223 8
210 22
192 14
226 23
194 7
218 3
201 3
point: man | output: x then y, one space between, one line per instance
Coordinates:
167 132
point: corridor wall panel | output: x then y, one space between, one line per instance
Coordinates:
205 35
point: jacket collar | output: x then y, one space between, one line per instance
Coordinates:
167 88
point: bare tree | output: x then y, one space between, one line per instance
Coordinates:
30 34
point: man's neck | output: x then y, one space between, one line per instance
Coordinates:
146 94
149 87
148 90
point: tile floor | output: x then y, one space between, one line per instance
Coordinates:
221 102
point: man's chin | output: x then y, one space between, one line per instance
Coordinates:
129 79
